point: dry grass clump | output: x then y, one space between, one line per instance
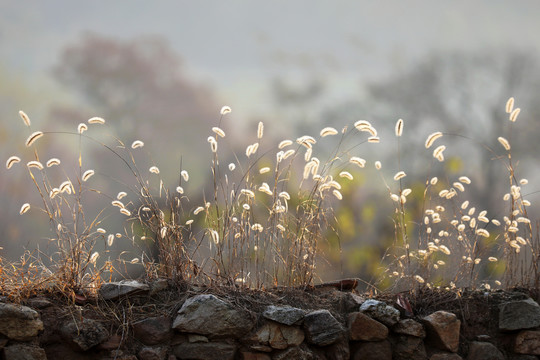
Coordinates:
456 242
262 222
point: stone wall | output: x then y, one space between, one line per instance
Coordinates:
207 326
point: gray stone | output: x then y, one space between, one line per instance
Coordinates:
24 352
442 330
484 351
519 315
115 290
527 342
409 348
208 315
287 315
362 327
409 327
84 335
321 328
153 353
19 322
379 311
205 351
153 331
373 350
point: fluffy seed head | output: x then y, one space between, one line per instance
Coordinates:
87 175
482 232
328 131
137 144
509 105
419 279
198 210
438 151
110 240
288 154
504 143
374 139
399 175
232 166
125 211
52 162
179 189
357 161
213 144
514 114
35 164
11 161
82 128
346 175
66 187
33 138
337 194
432 137
154 170
284 143
465 180
96 120
225 110
24 208
264 170
185 175
399 127
25 118
117 203
378 165
260 130
218 131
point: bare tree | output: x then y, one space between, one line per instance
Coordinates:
140 87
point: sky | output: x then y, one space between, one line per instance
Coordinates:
237 46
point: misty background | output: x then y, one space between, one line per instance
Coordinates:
161 71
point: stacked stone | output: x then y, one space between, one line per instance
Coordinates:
207 327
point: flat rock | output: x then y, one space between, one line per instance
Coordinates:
373 350
287 315
24 352
115 290
519 315
153 330
84 335
279 336
19 322
442 330
379 311
321 328
527 342
205 351
362 327
209 315
484 350
409 327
